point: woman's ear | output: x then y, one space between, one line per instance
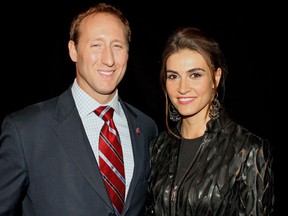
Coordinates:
218 74
72 51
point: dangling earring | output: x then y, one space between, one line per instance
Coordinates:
215 106
173 113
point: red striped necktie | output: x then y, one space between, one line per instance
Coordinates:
111 158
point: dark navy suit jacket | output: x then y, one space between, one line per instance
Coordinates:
47 166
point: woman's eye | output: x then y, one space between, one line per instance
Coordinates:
171 76
195 75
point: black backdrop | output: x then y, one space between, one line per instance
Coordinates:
36 64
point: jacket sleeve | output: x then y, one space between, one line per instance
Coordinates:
256 187
13 173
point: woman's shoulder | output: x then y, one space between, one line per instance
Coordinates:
237 131
245 140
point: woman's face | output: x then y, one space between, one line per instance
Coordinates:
189 83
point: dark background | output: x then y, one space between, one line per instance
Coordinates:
36 64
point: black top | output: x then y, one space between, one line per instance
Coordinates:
188 150
230 173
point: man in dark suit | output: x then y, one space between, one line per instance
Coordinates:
49 151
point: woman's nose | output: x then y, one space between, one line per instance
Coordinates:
183 86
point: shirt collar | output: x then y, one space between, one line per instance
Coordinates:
86 104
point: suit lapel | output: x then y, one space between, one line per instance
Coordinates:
71 134
138 145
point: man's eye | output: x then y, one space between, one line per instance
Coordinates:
96 45
117 46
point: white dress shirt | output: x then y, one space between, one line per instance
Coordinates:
92 123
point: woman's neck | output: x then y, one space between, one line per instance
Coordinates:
192 128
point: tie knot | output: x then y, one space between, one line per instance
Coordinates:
105 112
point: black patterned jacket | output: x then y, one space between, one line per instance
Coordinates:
231 174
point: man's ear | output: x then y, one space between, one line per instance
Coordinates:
72 51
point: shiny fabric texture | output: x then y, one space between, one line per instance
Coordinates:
231 174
